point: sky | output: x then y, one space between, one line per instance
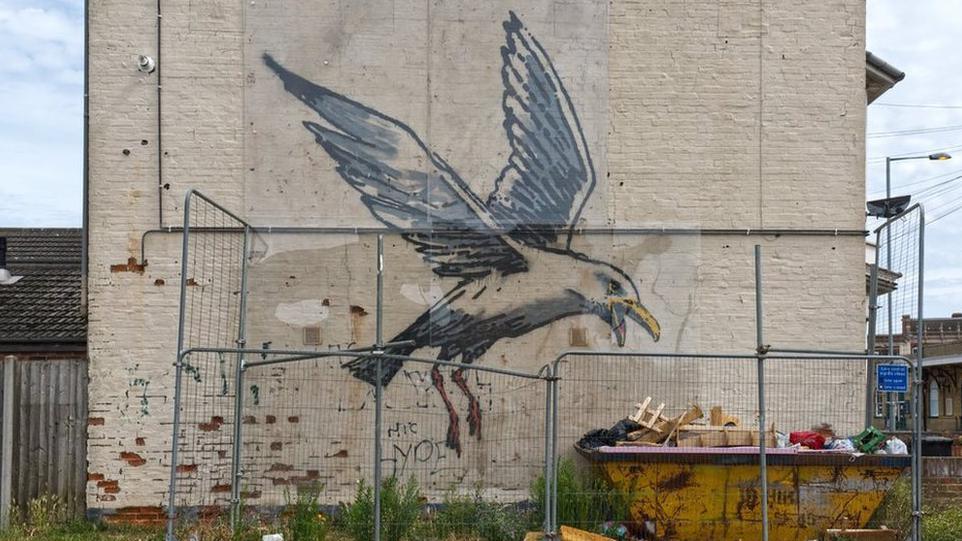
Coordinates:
41 121
922 38
41 112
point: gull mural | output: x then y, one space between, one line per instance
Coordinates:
496 249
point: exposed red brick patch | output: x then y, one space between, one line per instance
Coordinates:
293 419
221 454
95 477
186 468
250 494
95 421
109 486
140 441
130 266
279 481
281 467
250 420
326 302
340 454
270 419
192 282
140 516
214 424
159 282
357 311
132 458
276 446
220 488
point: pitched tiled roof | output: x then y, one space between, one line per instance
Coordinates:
45 305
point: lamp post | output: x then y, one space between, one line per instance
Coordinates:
939 156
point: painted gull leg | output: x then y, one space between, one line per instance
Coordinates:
474 409
453 440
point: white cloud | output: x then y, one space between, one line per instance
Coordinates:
41 112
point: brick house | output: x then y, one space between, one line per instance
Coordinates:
739 123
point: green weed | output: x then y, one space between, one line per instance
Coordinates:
400 508
470 516
585 501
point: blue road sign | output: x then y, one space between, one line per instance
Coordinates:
892 378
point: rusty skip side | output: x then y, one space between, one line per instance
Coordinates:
715 493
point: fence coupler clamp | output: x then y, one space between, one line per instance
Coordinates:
763 349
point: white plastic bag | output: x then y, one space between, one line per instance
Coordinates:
842 445
895 446
781 440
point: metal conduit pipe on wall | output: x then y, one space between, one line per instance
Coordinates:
160 129
333 230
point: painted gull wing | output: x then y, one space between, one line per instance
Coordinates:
405 185
549 176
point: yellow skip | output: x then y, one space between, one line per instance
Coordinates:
569 534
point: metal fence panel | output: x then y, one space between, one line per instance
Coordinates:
258 426
692 492
212 296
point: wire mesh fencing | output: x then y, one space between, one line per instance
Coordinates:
450 433
256 428
212 317
305 427
679 454
896 299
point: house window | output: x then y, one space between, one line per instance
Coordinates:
949 407
879 404
933 398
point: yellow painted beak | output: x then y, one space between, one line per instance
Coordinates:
623 308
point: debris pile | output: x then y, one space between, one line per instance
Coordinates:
648 425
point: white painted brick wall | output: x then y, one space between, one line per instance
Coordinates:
672 112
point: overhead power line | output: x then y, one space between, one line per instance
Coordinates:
913 153
944 214
916 131
919 105
902 186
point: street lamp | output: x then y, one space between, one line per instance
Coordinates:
892 206
939 156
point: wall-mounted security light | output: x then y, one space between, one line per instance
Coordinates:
146 64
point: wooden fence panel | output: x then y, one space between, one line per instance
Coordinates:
43 432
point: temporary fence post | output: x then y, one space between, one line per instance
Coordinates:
178 370
892 413
548 454
762 460
378 388
554 449
917 391
235 492
870 343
